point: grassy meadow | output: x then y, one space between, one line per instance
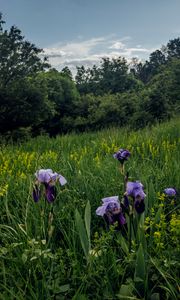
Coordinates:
64 250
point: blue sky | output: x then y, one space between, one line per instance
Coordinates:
81 32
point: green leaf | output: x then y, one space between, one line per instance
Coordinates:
151 196
80 297
64 288
140 231
82 233
140 272
124 244
155 296
140 264
158 216
126 292
169 286
87 218
24 258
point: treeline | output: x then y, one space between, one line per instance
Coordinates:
35 98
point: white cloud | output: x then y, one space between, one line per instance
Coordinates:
117 45
90 52
140 50
78 48
53 52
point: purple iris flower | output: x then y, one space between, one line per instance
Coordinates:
36 193
111 210
47 178
135 190
170 192
122 155
50 192
139 206
126 201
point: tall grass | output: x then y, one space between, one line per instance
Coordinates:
65 251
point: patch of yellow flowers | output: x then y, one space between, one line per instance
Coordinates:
3 190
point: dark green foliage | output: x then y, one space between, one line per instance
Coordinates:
113 93
19 58
23 101
111 76
23 104
173 48
62 93
67 73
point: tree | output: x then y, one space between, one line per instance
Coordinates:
114 75
67 73
62 93
145 71
168 80
24 104
158 103
18 57
81 79
173 48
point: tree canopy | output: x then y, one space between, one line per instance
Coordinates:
39 98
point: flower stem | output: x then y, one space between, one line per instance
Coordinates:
130 231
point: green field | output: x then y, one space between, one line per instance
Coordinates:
64 250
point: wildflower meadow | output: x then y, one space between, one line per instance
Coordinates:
91 216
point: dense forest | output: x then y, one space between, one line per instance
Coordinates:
36 98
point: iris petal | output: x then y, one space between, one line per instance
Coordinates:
62 180
50 192
36 193
139 206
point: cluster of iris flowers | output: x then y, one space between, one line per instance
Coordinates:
112 210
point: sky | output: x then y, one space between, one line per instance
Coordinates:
80 32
